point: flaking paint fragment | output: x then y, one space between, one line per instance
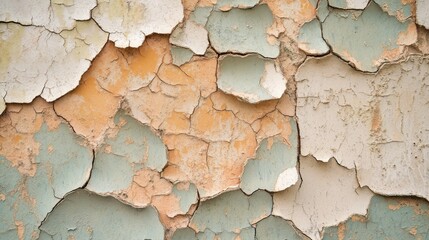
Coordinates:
46 161
422 13
226 5
274 167
68 53
349 4
129 22
54 15
251 77
85 215
180 55
317 202
387 218
231 212
243 31
401 9
376 123
369 39
310 39
191 35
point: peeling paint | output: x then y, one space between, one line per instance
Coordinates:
276 228
34 178
231 212
350 33
311 40
57 55
90 216
242 31
376 122
274 168
326 195
422 13
388 218
251 78
130 22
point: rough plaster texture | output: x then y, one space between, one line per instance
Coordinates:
214 119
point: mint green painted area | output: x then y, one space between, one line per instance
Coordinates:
84 215
396 8
200 15
310 39
63 158
322 10
110 173
242 31
222 4
245 234
187 196
134 147
241 76
364 39
388 218
276 228
231 211
184 234
180 55
263 171
138 143
63 164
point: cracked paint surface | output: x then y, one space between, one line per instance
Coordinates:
372 124
41 160
214 119
315 202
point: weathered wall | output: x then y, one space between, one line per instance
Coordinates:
205 119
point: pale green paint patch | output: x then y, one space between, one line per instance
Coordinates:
63 165
187 196
310 39
83 215
243 77
134 147
200 15
231 211
365 39
388 218
276 228
180 55
110 173
271 161
396 8
322 10
184 234
242 31
228 4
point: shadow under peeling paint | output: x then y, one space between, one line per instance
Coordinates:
62 166
274 168
84 215
388 218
